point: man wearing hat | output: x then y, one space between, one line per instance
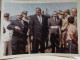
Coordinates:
7 35
27 19
67 14
63 30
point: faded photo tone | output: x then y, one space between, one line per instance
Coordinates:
35 28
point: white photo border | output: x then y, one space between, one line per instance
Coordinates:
42 1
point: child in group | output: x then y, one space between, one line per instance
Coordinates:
71 35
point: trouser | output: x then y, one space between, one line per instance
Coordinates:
71 46
54 38
63 42
46 42
18 45
8 48
35 46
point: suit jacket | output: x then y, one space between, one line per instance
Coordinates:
52 22
64 25
36 29
75 21
22 33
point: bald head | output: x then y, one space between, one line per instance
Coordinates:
19 16
74 12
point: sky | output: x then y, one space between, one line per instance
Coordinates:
15 8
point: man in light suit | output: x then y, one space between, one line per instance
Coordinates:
19 37
54 25
39 31
64 31
74 14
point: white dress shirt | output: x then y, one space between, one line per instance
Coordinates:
22 22
40 19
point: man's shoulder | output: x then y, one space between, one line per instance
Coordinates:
50 19
44 16
25 22
13 20
33 16
28 18
59 19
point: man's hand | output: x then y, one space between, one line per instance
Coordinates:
61 29
17 28
31 37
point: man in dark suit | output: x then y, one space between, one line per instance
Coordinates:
39 31
19 37
54 25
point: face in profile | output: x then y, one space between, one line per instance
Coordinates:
25 15
38 11
42 12
62 15
74 12
6 17
66 14
20 16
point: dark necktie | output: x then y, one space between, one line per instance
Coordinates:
55 19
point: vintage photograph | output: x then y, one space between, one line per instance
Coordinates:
36 28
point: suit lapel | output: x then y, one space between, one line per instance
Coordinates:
53 20
18 23
24 23
37 20
42 19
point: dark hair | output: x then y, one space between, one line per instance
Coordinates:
67 11
6 15
38 8
71 19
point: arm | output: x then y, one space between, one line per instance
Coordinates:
73 34
17 29
64 27
72 37
31 23
11 26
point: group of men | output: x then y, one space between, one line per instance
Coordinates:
38 29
